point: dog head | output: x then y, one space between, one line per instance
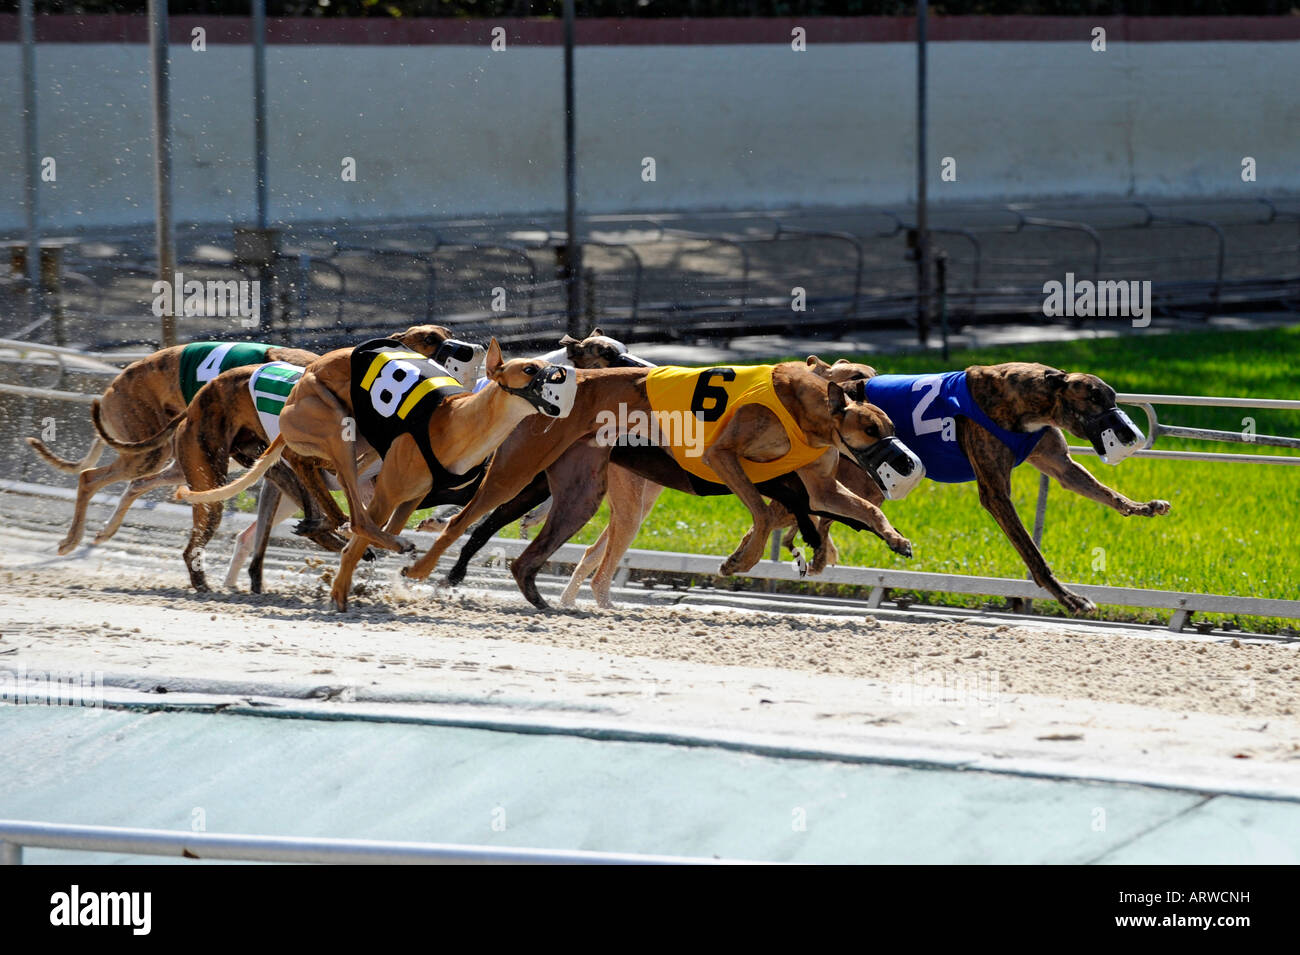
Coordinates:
424 338
598 350
549 388
842 372
1085 407
463 361
865 433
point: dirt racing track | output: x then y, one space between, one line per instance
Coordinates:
760 729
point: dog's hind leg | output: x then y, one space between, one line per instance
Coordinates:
537 490
591 559
1052 457
577 482
209 472
273 507
92 480
390 504
300 426
171 477
622 529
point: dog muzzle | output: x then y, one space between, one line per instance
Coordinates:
892 465
1114 437
463 361
551 391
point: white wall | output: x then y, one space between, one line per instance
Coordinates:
449 130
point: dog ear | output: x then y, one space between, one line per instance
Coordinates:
836 398
815 362
1056 380
494 360
570 340
595 331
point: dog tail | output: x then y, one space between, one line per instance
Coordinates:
63 464
243 482
134 447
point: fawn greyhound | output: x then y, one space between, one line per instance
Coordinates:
433 434
636 478
753 424
143 399
237 415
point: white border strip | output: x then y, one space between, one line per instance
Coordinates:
16 834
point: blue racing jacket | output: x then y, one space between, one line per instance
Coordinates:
924 409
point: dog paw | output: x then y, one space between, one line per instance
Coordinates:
1156 508
900 545
431 525
1075 604
370 554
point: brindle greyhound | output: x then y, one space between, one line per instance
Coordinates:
140 401
576 461
463 430
220 423
1024 397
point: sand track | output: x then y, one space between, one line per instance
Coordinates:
1126 701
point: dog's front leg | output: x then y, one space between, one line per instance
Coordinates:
1052 457
577 483
752 429
522 456
992 462
826 493
536 492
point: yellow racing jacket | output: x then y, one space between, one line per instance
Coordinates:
691 405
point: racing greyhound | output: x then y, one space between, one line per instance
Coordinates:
758 422
979 424
433 434
143 399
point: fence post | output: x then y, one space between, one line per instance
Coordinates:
11 853
159 54
31 161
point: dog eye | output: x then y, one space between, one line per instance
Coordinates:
530 369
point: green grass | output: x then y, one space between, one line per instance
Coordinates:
1232 530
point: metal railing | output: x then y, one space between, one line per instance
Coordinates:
724 274
15 835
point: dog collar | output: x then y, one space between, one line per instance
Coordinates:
1114 436
892 465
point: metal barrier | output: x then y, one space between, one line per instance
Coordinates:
742 265
15 835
